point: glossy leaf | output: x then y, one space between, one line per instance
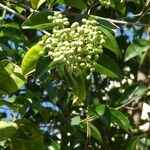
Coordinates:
92 130
11 77
78 88
132 143
31 58
42 66
37 3
34 21
133 91
110 42
119 6
13 32
100 109
107 67
136 48
120 119
7 130
29 135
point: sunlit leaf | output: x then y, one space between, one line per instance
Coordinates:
30 59
37 3
120 119
11 77
7 130
34 21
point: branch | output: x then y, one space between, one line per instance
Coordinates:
19 15
12 11
112 20
22 5
132 99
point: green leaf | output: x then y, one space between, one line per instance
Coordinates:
78 86
119 6
106 117
28 136
75 120
11 31
31 58
55 145
80 4
34 21
100 109
7 130
107 67
136 48
92 129
42 66
133 91
110 42
95 133
120 119
11 77
37 3
132 143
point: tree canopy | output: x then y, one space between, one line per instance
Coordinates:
74 74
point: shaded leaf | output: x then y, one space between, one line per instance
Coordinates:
119 6
11 77
34 21
79 89
92 129
42 66
110 42
132 143
133 91
136 48
7 130
107 67
120 119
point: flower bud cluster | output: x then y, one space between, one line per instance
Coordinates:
76 46
58 20
106 3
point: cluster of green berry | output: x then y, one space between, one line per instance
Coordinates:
105 3
77 46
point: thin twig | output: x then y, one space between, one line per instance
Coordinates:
112 20
22 5
142 15
130 101
19 15
12 11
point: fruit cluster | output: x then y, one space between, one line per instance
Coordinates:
77 46
105 3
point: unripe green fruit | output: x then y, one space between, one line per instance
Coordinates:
92 69
75 25
66 23
96 57
84 20
77 46
88 77
50 18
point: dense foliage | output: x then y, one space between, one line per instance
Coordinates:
74 74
